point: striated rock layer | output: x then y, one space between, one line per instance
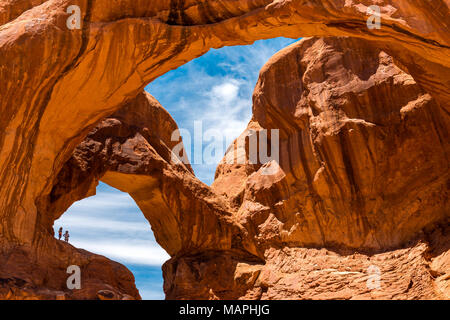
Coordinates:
364 161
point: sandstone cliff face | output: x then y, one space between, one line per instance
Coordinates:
364 144
363 174
364 151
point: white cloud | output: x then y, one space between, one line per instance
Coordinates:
105 200
148 294
227 110
112 225
133 252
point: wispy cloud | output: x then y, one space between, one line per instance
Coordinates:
215 89
105 200
131 252
149 294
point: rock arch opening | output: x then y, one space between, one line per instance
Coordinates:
111 224
131 151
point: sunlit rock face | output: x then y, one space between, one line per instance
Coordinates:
364 153
363 150
363 168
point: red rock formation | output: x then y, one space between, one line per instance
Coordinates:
132 151
363 150
363 168
57 84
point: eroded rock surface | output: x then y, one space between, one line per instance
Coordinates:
361 189
132 151
364 151
363 174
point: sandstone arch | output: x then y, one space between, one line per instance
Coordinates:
48 103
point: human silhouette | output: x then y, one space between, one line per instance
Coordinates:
66 236
60 233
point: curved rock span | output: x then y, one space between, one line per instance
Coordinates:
357 206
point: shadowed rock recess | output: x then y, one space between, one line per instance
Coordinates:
362 184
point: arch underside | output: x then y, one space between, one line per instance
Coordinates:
73 113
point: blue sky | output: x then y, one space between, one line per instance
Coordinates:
215 89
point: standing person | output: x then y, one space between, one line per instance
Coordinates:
60 233
66 236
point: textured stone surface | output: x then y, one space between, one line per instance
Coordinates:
363 168
40 272
410 272
57 85
363 150
131 151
